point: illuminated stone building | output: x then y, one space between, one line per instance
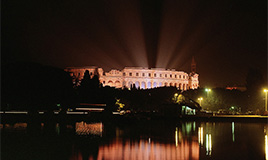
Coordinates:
143 78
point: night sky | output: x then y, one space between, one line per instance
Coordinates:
226 37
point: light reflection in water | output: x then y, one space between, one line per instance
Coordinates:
16 126
208 144
145 150
266 143
266 147
156 143
176 137
83 128
200 135
233 129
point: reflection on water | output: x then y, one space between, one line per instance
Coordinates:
83 128
266 143
200 135
142 149
266 147
233 131
142 141
208 144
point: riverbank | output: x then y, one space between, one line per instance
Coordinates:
13 117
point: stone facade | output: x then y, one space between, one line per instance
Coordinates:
139 77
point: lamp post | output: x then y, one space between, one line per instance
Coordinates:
176 97
200 99
207 90
265 91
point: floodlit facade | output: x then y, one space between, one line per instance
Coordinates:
143 78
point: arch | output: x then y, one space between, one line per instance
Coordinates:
154 85
143 85
180 86
117 84
160 84
183 87
110 83
176 85
170 84
129 84
165 84
137 84
149 85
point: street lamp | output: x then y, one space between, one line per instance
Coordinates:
176 97
207 90
200 99
265 91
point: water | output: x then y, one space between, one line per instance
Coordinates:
152 140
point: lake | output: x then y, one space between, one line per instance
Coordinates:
141 140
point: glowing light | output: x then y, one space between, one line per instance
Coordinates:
266 147
200 135
16 112
208 144
265 91
233 129
207 90
176 137
188 127
90 109
76 112
200 99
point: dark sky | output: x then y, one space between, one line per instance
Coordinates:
226 37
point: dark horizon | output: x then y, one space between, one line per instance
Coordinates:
226 38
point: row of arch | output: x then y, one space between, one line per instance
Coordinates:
144 85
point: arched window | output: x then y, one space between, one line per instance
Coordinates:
154 85
129 84
143 86
137 84
160 84
110 83
149 85
117 84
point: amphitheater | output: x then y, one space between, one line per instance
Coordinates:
139 77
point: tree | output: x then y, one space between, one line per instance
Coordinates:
255 83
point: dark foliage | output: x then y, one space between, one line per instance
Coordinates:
30 86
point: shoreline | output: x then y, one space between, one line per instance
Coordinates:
93 117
